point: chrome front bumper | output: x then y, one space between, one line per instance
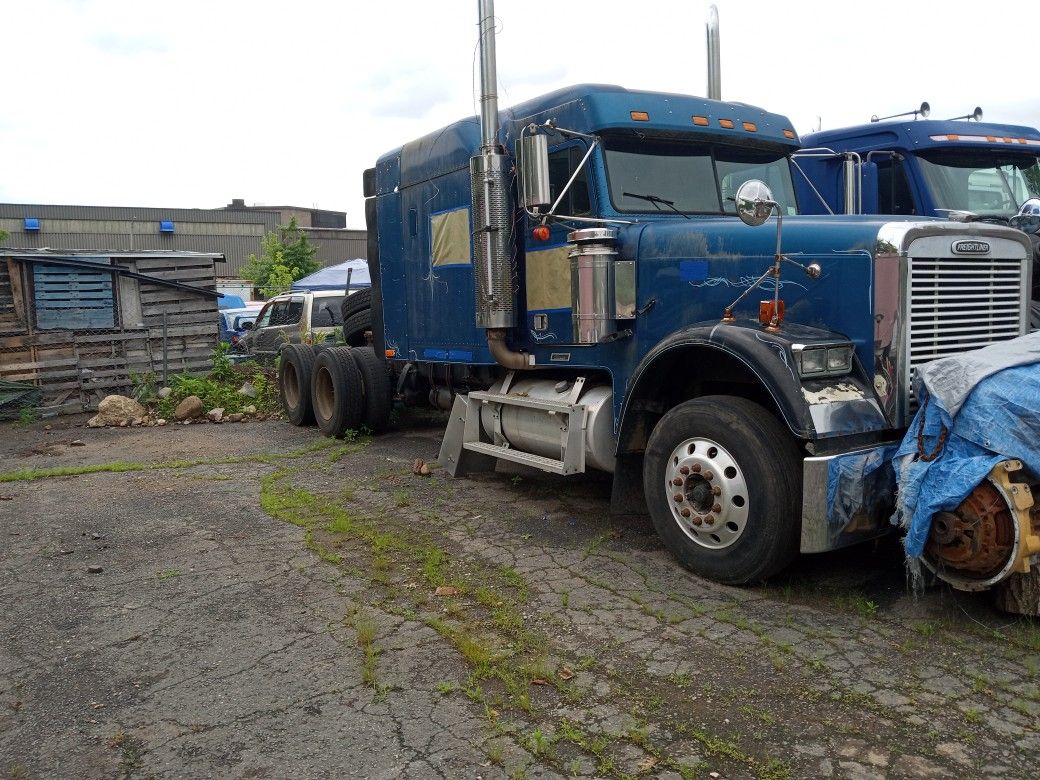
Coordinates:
847 498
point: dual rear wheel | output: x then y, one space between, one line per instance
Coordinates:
338 388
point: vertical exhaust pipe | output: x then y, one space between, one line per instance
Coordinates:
493 277
714 55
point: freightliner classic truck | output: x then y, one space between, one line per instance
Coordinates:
956 169
598 279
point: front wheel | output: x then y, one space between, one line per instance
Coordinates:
723 485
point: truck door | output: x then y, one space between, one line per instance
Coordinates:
547 267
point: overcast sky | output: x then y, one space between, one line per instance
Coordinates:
190 104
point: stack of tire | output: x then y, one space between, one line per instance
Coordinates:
340 389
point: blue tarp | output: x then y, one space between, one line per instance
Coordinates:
989 403
334 277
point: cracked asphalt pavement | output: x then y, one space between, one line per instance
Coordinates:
255 601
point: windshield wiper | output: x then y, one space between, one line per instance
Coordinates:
655 200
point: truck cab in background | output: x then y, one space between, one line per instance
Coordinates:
950 169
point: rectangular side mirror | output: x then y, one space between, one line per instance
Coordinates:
532 156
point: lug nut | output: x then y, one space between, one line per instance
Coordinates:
717 508
696 468
715 490
678 481
708 476
685 511
684 470
710 519
678 498
697 520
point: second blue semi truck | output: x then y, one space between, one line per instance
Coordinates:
622 280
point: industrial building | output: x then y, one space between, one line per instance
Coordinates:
234 231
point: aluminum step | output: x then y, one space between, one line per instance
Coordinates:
522 400
516 456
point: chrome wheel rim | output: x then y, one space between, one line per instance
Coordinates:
707 493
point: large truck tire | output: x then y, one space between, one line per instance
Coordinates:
294 383
355 302
723 485
356 326
378 392
336 392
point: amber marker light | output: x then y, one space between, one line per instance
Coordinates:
953 137
788 133
390 352
541 233
640 116
700 121
727 123
751 127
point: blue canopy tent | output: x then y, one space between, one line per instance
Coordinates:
334 277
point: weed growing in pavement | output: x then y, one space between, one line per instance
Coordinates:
495 751
167 574
118 467
482 617
972 715
365 627
401 498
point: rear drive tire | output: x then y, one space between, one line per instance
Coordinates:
294 383
735 514
378 393
336 392
355 302
356 326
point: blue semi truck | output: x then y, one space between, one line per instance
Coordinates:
952 169
622 280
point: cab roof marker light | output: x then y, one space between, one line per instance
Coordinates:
751 127
700 121
788 133
727 123
985 139
639 116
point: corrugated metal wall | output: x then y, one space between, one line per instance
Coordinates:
235 234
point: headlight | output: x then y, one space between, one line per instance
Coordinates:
820 360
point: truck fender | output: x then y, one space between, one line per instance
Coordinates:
735 359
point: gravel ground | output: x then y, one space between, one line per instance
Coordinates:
252 600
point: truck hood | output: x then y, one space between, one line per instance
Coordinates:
729 237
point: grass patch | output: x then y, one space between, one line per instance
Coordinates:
121 467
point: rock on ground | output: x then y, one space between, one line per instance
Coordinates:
116 410
188 409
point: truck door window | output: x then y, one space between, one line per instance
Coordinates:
894 196
562 164
326 312
265 317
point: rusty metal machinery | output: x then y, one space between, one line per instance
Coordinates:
993 534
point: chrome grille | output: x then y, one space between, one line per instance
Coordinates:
957 304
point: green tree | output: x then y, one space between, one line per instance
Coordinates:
3 236
285 256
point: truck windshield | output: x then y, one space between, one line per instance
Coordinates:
985 183
696 178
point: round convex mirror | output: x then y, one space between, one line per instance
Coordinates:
754 202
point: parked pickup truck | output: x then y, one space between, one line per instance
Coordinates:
301 317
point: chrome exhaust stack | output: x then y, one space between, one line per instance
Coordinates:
489 182
714 55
